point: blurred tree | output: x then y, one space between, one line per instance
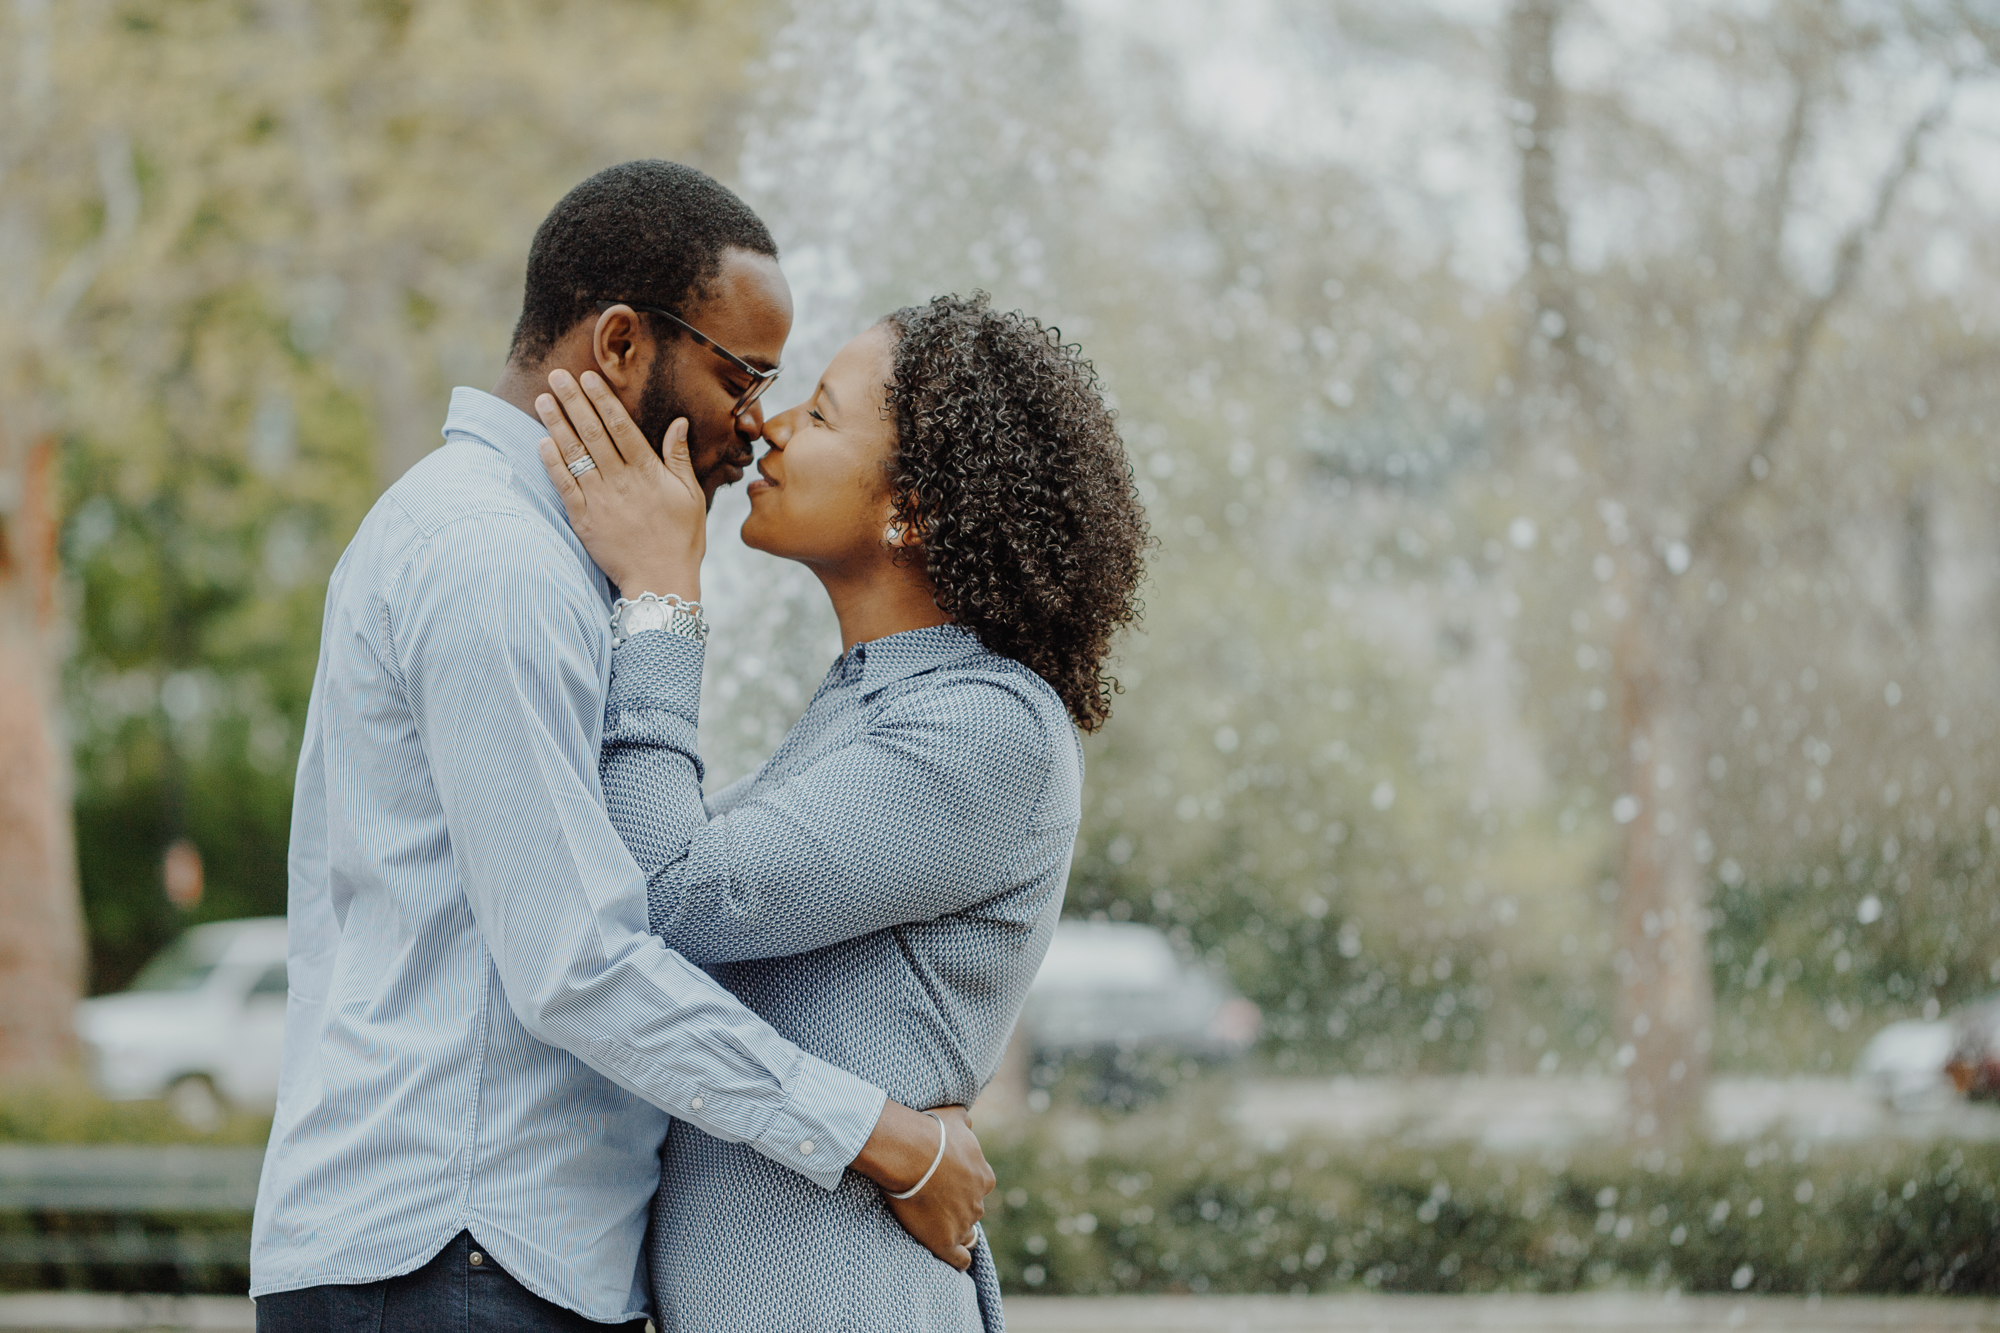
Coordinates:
1311 779
1371 745
276 234
49 138
1662 386
1373 756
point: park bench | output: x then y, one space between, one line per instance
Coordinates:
181 1207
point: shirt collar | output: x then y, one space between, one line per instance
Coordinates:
897 657
517 437
505 427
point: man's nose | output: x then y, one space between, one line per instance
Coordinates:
750 421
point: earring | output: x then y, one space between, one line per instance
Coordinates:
892 534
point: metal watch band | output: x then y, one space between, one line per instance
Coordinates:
649 612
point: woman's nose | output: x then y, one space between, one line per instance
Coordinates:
778 430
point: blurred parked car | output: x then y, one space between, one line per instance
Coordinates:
1974 1061
202 1024
1905 1064
1115 995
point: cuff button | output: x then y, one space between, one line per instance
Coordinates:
695 1105
806 1148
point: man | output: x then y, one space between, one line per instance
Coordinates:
483 1044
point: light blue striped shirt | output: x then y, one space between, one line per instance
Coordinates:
475 999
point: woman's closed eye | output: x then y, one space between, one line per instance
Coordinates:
813 412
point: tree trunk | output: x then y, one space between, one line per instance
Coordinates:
41 928
1917 554
1666 997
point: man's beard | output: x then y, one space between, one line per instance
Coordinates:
659 404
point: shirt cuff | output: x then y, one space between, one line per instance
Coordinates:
657 670
825 1122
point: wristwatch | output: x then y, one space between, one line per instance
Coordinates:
649 611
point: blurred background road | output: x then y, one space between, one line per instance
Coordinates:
1519 1314
1522 1113
1216 1314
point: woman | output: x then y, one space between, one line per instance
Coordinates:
882 889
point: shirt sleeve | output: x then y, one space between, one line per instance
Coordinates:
919 816
311 925
498 645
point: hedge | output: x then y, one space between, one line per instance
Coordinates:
1178 1204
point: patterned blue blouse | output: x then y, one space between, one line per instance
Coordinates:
881 891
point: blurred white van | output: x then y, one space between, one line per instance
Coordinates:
1118 985
202 1025
1904 1064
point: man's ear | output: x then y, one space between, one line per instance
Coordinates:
621 346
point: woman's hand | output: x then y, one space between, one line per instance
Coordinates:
942 1214
643 520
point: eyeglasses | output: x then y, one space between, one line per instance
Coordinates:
760 380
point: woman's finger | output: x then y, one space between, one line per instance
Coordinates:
583 416
573 501
629 440
674 453
564 437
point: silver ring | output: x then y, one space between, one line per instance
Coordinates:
582 465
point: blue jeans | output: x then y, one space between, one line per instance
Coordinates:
460 1291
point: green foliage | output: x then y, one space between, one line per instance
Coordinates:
70 1113
1261 849
214 1248
214 1258
1167 1204
1924 926
202 580
1370 741
320 245
1301 782
1818 961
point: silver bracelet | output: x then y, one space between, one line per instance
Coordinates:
672 613
911 1192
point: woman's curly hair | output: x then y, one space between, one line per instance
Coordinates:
1010 467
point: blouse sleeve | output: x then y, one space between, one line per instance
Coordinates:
918 817
722 802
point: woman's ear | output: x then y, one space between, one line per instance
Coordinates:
900 533
619 344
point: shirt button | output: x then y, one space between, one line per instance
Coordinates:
477 1258
806 1148
695 1105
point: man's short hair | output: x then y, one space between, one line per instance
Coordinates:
651 232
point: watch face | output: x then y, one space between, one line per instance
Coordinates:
638 617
